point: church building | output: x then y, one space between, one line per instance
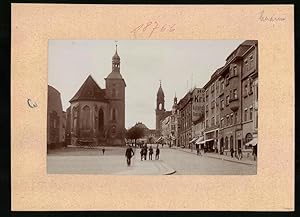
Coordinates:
160 110
97 116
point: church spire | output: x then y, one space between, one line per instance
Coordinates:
116 61
160 92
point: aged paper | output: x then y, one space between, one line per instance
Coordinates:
272 189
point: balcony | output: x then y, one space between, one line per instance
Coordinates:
234 104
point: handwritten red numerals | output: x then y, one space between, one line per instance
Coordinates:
152 27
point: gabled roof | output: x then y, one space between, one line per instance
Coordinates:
89 90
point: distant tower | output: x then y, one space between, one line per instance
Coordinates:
160 106
115 93
174 107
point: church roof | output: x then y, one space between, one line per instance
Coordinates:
89 90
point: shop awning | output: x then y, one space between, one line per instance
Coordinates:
200 140
253 142
208 140
193 140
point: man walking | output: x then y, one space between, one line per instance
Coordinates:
157 153
150 152
129 153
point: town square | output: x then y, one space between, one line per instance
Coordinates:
150 117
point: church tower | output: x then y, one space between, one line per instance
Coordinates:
160 107
115 94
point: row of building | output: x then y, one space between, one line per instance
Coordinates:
222 115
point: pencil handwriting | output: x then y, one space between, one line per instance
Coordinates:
151 28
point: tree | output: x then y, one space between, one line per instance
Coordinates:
135 133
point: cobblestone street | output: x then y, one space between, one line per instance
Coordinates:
113 162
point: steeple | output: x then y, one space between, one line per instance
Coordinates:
116 61
160 92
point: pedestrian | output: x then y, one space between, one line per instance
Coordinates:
145 152
231 152
150 152
157 153
240 154
254 152
198 149
142 153
129 153
103 150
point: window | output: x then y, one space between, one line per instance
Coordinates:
248 137
222 122
245 114
212 88
222 104
206 123
227 100
227 120
113 115
235 70
231 142
217 120
86 117
251 61
251 113
226 143
227 80
235 94
100 119
222 85
245 90
217 86
213 121
213 104
236 118
250 86
246 64
231 119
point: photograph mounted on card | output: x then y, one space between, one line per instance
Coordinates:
161 105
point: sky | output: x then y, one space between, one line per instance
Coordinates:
179 64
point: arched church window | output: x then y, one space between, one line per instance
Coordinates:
160 106
74 125
101 119
86 117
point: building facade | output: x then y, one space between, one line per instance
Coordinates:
97 116
236 98
185 128
55 119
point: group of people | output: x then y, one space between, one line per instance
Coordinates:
144 151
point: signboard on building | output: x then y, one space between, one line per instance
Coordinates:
197 104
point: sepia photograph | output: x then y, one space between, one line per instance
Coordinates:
152 107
